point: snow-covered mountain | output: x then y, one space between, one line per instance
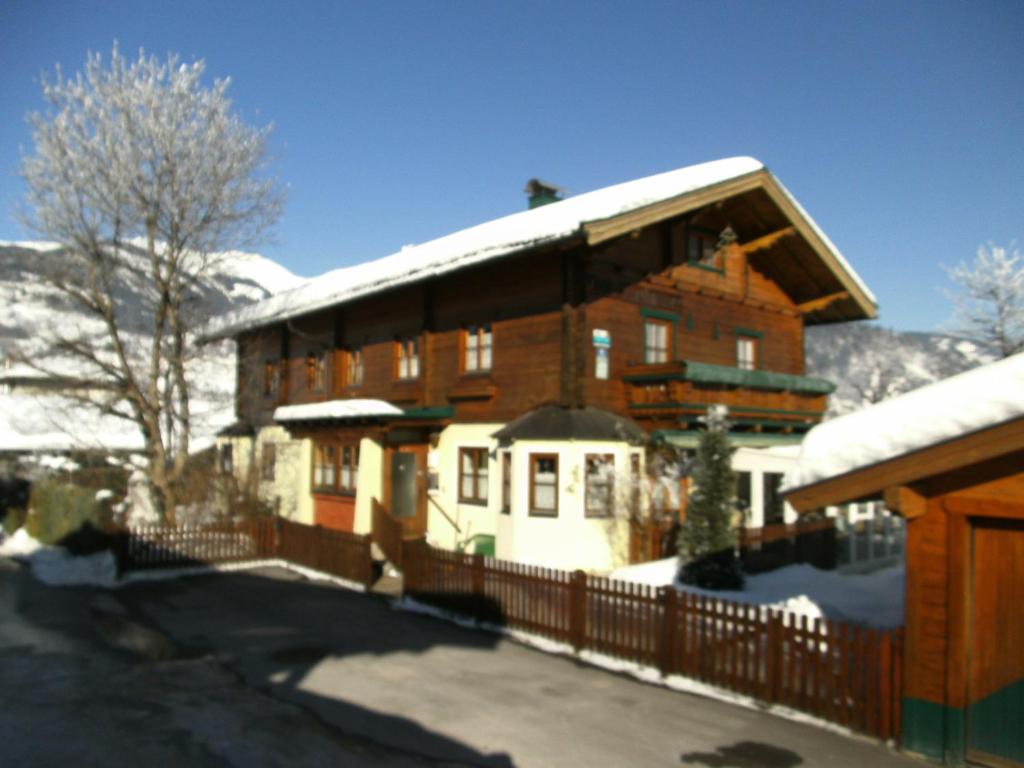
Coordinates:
870 363
30 420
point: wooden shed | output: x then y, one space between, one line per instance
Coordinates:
950 458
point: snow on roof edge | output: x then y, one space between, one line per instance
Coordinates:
492 239
336 409
827 241
980 398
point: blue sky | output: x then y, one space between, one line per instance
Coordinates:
899 126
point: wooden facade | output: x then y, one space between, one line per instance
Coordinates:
963 688
541 310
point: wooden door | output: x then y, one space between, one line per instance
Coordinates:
995 684
408 488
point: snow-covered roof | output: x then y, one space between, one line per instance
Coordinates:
982 397
497 238
336 409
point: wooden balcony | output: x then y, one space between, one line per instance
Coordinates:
681 391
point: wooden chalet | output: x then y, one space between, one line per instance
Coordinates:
950 459
648 300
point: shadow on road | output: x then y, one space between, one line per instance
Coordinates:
744 754
280 632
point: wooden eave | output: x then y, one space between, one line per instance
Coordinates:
812 270
914 467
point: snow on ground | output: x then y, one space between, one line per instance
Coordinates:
58 567
873 598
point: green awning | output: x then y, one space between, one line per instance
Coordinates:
689 439
706 373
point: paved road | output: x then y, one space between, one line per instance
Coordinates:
70 695
423 686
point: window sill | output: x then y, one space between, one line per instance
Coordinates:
475 386
474 502
549 515
334 494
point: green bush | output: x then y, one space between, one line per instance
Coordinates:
13 520
59 508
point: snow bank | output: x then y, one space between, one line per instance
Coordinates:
874 598
982 397
58 567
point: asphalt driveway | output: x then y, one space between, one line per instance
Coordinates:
424 687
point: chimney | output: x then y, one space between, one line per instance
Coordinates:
542 193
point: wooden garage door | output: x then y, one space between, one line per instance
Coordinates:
995 693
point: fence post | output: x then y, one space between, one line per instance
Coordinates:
667 599
478 574
577 609
773 658
885 684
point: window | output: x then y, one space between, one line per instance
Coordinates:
473 475
353 367
774 512
408 358
335 468
271 378
701 247
268 458
348 468
316 369
324 458
743 493
600 486
544 485
477 354
506 482
227 460
657 340
746 353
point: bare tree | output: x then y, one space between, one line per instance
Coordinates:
989 299
142 174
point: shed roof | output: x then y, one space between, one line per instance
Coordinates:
591 216
980 399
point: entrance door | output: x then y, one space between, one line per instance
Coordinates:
995 685
408 487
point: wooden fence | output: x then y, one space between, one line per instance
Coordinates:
775 546
387 532
846 674
345 555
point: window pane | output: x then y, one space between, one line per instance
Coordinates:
467 486
485 356
544 497
481 487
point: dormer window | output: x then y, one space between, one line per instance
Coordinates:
701 246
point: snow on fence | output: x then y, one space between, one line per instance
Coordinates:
846 674
345 555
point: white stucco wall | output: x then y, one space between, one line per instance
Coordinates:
570 540
757 461
369 483
288 492
471 519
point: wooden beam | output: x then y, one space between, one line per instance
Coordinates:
766 241
821 303
929 462
957 505
905 500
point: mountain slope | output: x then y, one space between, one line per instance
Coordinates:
869 363
45 421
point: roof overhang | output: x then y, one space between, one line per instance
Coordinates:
873 480
858 301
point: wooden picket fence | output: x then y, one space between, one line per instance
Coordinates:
842 673
341 554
